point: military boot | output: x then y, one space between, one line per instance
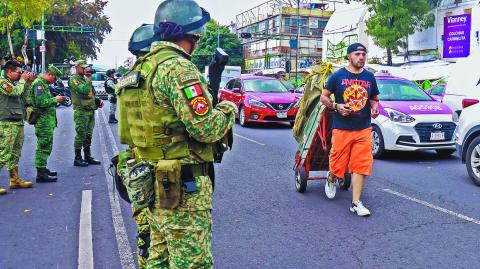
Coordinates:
112 119
3 191
52 173
43 177
88 156
16 182
78 159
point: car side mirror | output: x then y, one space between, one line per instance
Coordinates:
236 90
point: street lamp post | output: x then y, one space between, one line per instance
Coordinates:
43 43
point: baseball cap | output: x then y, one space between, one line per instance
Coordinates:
82 63
356 47
55 71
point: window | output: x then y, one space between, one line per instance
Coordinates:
264 85
438 90
399 90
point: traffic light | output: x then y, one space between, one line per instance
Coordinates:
245 35
288 66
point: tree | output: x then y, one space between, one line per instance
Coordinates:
77 13
24 12
210 41
392 21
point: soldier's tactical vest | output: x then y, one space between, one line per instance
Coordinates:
108 89
80 100
154 132
11 108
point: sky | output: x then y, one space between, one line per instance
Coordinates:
127 15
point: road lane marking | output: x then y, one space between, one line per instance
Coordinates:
124 250
110 135
85 244
249 139
427 204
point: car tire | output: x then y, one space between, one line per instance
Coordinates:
378 144
445 152
473 158
301 179
346 182
242 118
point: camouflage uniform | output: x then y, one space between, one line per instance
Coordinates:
181 237
43 102
11 132
83 113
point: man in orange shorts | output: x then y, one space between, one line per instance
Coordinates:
356 101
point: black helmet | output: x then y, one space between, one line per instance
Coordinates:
176 18
110 72
141 39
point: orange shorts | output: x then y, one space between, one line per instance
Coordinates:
352 149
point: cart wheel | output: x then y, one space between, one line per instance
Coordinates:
301 180
345 183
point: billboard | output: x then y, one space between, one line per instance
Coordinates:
456 36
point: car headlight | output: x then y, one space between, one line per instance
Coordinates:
256 103
397 116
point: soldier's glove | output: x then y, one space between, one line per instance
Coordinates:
227 107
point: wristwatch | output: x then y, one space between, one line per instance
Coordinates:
334 107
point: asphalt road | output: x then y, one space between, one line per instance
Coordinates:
425 210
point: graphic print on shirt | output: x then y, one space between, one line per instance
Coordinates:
355 96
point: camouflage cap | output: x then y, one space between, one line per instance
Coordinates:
55 71
82 63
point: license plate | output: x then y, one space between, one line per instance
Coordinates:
437 136
282 115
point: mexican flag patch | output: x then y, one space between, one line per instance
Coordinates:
193 91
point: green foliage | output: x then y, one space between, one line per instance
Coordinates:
228 41
392 21
75 13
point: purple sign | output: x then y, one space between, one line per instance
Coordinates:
456 36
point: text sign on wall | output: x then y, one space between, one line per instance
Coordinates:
456 36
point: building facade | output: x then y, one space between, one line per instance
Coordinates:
275 26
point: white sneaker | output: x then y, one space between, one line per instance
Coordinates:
360 209
330 189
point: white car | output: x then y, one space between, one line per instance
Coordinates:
467 138
410 119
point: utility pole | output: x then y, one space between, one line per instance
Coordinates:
43 43
298 41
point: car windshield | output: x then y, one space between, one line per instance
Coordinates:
264 85
400 90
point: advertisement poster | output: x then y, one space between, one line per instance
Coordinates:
457 36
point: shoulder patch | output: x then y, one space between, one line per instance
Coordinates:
193 91
39 89
200 106
130 80
187 78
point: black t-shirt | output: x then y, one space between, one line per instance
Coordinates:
355 90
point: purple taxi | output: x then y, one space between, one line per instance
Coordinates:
410 119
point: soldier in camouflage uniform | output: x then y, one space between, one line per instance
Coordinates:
84 105
166 115
142 33
45 105
13 87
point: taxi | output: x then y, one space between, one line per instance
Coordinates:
410 119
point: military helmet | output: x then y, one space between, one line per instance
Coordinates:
176 18
141 39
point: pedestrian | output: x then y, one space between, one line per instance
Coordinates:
13 87
356 102
169 121
84 105
45 105
112 97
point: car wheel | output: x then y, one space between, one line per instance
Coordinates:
473 160
242 118
301 179
346 182
445 152
378 146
